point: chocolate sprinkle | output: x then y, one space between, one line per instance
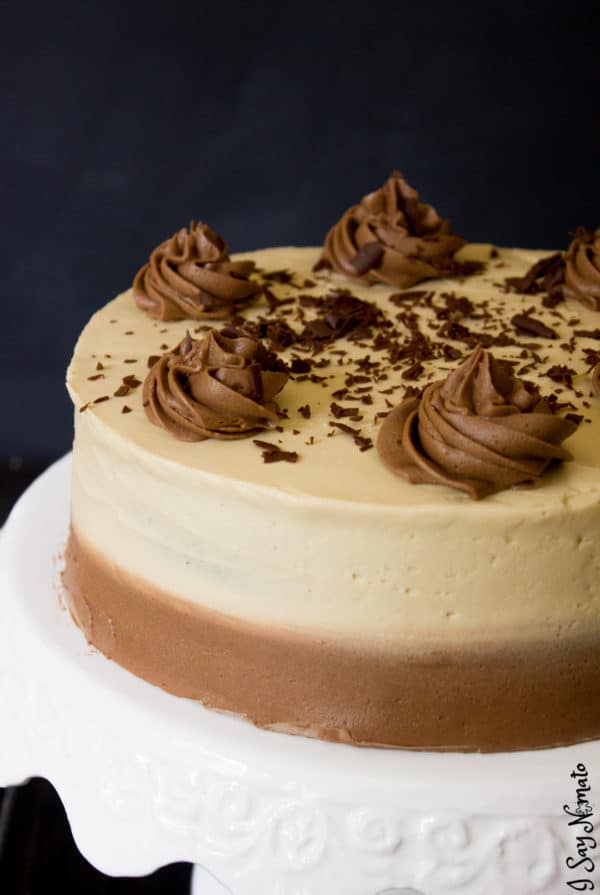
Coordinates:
272 453
546 275
531 326
339 412
367 257
132 381
299 365
344 428
574 417
561 373
587 333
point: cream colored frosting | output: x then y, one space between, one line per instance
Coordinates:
335 542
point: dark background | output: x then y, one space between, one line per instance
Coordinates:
120 122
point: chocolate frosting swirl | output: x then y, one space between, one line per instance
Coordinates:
221 386
582 268
391 237
481 430
596 380
191 276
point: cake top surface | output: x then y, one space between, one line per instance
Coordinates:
336 398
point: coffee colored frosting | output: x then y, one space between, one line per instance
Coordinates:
582 268
481 430
221 386
191 276
391 237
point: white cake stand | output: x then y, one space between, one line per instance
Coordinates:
147 778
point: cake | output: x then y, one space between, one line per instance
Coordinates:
350 491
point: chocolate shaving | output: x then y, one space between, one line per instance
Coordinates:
277 332
587 333
340 412
531 326
122 391
305 411
364 443
367 257
454 268
561 373
342 314
414 371
574 417
125 409
272 453
300 365
132 381
344 428
546 275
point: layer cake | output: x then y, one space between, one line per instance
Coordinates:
291 576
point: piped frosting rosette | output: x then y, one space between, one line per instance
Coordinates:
391 237
222 386
582 268
481 431
191 276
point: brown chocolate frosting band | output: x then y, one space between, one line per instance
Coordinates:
464 698
391 237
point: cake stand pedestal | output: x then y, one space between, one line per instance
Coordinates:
147 778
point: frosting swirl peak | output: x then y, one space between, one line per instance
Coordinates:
582 268
191 276
221 386
391 237
481 430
